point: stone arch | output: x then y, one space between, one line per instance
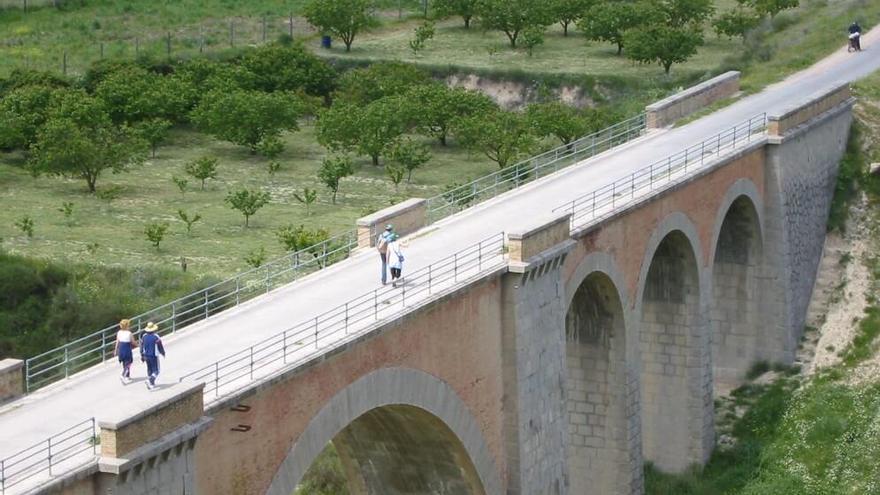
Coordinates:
737 327
406 401
602 415
675 373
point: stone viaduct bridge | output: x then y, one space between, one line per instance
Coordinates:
591 342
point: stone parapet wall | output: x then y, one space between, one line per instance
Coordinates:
407 217
525 244
139 425
693 99
808 109
11 379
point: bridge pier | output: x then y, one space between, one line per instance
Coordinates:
533 359
806 144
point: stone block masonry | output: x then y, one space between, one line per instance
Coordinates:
11 379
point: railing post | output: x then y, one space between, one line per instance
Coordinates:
50 455
103 346
613 195
316 332
66 363
346 317
376 305
284 347
94 437
217 379
173 316
252 363
237 291
2 476
455 268
268 284
429 280
480 257
206 303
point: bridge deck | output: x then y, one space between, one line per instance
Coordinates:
98 391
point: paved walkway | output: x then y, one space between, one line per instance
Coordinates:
98 391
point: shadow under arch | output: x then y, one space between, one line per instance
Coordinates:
599 453
675 375
432 444
737 328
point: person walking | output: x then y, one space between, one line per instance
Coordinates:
151 344
395 252
125 343
382 246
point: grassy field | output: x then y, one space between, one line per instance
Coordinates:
219 241
39 38
476 48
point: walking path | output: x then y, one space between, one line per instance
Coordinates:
98 391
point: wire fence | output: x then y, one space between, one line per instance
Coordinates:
332 328
59 453
509 178
660 175
176 315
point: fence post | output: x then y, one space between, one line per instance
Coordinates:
64 64
168 44
290 19
137 47
102 50
264 29
231 34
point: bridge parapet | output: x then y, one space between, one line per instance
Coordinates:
407 217
137 426
525 244
11 379
807 110
684 103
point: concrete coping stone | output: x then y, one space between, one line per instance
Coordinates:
10 365
391 212
138 410
693 90
543 223
809 100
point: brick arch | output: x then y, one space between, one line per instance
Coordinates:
401 391
738 327
603 451
675 369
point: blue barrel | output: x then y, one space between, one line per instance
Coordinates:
325 42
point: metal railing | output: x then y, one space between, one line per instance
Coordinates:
660 175
56 452
97 347
509 178
332 328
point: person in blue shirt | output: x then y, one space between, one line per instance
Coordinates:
382 246
151 344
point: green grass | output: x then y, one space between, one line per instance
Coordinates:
39 38
219 241
476 48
